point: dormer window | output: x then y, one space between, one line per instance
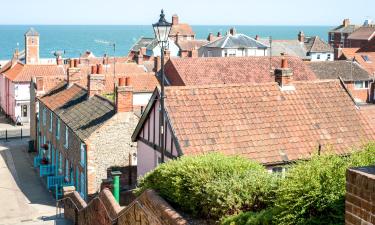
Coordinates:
366 58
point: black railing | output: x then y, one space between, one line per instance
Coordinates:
14 133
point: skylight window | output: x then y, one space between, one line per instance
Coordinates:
366 58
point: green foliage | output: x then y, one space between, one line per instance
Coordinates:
264 217
213 185
313 191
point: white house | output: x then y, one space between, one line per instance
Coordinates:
150 48
233 45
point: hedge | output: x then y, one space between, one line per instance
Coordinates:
213 185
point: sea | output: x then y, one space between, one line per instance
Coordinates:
73 40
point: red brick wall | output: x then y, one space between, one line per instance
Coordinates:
360 196
362 94
147 209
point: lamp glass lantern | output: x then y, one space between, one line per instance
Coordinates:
162 29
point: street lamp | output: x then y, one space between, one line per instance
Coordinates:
162 29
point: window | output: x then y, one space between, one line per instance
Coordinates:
366 58
60 163
83 155
57 129
24 110
44 116
50 121
329 56
66 137
361 84
318 56
67 169
331 37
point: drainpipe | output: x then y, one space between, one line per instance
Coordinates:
116 185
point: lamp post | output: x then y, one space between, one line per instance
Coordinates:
162 29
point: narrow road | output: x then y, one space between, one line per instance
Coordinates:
23 198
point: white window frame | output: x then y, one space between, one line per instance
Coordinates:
50 121
60 163
58 129
83 155
44 116
66 144
67 171
363 85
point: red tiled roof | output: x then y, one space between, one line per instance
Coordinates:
368 111
143 82
60 95
181 29
188 45
350 53
23 73
263 123
230 70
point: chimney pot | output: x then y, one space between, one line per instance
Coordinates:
175 19
94 69
122 81
346 22
232 31
257 37
124 96
284 75
59 60
219 34
301 36
99 69
71 63
210 37
75 63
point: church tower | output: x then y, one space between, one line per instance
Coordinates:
32 47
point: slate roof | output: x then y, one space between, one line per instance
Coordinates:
342 29
315 44
142 42
235 41
81 114
19 72
288 47
363 33
188 45
31 32
218 70
263 123
347 70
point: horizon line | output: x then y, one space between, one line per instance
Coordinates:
312 25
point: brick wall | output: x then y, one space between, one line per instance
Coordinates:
148 209
362 94
360 196
110 146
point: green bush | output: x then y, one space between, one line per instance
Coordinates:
313 191
264 217
213 185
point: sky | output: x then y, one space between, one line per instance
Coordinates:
195 12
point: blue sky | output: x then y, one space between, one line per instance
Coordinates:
197 12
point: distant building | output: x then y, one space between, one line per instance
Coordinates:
148 48
233 70
189 48
338 36
362 36
181 31
273 123
233 45
307 48
32 47
357 80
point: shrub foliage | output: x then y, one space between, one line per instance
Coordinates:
213 185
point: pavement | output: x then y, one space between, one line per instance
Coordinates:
13 130
23 197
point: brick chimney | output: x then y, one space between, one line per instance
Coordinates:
284 75
76 62
194 53
73 73
59 60
219 34
175 19
95 82
301 36
39 83
139 58
210 37
232 31
124 95
346 22
157 64
257 37
99 69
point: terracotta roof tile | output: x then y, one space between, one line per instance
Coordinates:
363 33
347 70
23 73
188 45
261 122
229 70
359 54
181 29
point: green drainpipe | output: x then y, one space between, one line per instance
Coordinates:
116 185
